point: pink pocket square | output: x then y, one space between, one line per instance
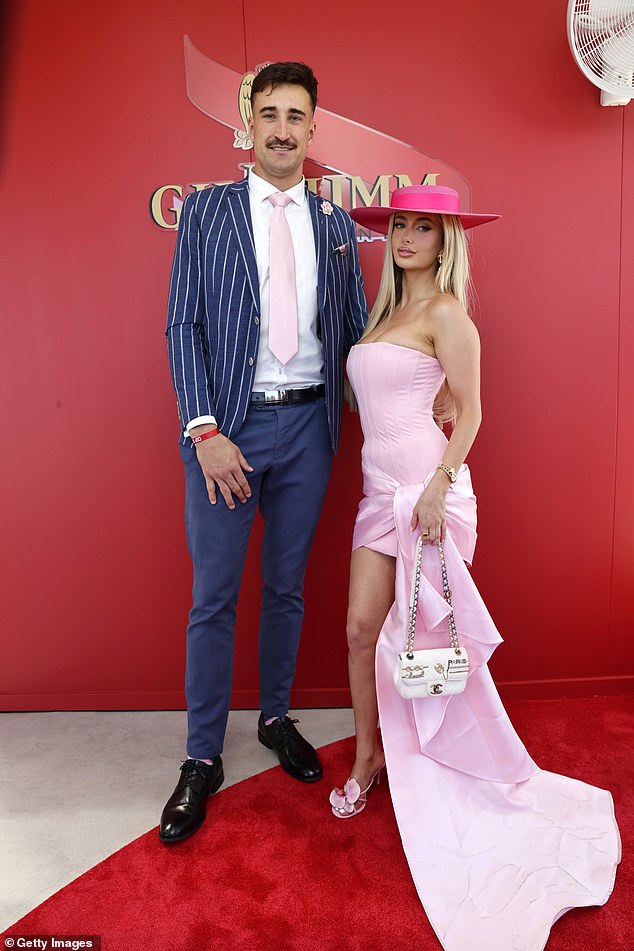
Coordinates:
342 249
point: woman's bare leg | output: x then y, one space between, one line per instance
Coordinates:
371 597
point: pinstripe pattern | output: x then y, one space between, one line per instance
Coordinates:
212 334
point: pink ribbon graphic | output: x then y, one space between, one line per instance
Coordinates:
341 146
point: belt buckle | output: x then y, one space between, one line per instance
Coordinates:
276 396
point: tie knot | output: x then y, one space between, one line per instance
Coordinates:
279 199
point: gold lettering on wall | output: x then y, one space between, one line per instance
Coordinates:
335 182
358 190
159 207
167 200
167 215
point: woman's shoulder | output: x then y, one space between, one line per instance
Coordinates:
448 321
445 307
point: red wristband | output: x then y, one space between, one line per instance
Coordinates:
207 435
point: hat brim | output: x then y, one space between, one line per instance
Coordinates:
377 218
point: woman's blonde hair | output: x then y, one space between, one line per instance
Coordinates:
453 276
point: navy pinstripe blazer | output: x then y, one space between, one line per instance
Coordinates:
213 325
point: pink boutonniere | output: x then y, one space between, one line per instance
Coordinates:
326 208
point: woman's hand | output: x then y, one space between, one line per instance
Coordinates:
429 511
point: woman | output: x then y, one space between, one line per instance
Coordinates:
498 849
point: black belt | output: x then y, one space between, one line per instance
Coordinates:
283 397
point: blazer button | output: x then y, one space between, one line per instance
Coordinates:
250 361
256 320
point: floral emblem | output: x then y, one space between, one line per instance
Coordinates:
242 138
325 208
344 799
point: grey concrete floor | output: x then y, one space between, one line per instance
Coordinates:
75 787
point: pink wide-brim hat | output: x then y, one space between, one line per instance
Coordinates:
422 199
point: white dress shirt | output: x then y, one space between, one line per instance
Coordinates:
306 367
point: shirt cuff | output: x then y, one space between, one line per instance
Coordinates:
199 421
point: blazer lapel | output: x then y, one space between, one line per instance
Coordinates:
240 210
320 231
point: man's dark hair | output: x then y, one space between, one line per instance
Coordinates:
298 74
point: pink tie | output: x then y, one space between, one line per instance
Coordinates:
282 288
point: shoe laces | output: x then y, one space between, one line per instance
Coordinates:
284 728
194 774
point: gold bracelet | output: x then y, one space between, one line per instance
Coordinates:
449 471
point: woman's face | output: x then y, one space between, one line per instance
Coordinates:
416 240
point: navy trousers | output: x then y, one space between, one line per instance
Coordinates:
290 451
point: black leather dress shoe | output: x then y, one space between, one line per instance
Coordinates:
296 755
185 809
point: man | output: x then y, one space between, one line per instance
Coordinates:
266 296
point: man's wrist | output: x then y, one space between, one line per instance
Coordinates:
207 433
199 424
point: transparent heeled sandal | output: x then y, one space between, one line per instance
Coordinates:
351 799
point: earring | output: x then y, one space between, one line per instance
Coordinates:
439 257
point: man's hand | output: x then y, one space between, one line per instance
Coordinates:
223 465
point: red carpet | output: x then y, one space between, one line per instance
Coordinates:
272 870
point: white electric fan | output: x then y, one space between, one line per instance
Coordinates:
601 37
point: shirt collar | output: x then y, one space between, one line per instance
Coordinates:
261 189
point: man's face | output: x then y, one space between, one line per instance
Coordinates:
281 128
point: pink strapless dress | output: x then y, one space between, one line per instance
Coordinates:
498 848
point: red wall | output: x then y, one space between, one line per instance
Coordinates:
95 575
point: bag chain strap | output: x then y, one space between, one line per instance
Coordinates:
413 608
